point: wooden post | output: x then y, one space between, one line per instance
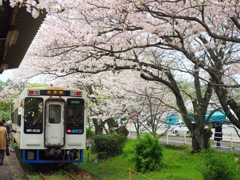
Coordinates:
231 140
102 166
185 138
130 174
167 137
88 156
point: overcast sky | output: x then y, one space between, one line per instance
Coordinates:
7 74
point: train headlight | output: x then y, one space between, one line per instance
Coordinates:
33 92
76 93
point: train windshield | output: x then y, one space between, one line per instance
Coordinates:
33 115
55 114
75 116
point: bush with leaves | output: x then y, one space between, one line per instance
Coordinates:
217 165
108 145
129 150
148 153
90 133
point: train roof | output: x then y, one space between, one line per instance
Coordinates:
52 88
25 91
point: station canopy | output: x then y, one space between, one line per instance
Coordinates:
17 31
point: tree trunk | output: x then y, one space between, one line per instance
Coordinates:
137 127
201 139
98 124
122 130
112 125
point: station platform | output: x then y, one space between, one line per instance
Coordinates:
12 169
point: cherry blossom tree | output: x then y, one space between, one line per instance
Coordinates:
160 39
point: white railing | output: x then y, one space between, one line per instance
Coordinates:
229 142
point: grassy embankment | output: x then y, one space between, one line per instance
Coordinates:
177 164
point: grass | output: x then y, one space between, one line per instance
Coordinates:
177 164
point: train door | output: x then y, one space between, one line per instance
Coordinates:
54 125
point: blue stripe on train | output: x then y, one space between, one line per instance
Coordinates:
38 160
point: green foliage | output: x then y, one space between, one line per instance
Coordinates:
108 145
218 166
90 133
129 150
5 109
148 153
6 106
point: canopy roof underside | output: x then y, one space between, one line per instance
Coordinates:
17 31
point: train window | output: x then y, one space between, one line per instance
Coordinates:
16 116
75 116
54 114
33 115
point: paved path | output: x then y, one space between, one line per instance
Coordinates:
12 170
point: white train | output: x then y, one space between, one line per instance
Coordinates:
51 124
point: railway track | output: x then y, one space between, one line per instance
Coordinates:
51 176
72 176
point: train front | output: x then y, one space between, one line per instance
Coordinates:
53 125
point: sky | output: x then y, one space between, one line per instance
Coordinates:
7 74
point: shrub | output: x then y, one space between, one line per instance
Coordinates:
108 145
218 166
148 153
129 150
89 133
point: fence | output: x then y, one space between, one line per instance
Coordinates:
130 171
104 167
229 142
